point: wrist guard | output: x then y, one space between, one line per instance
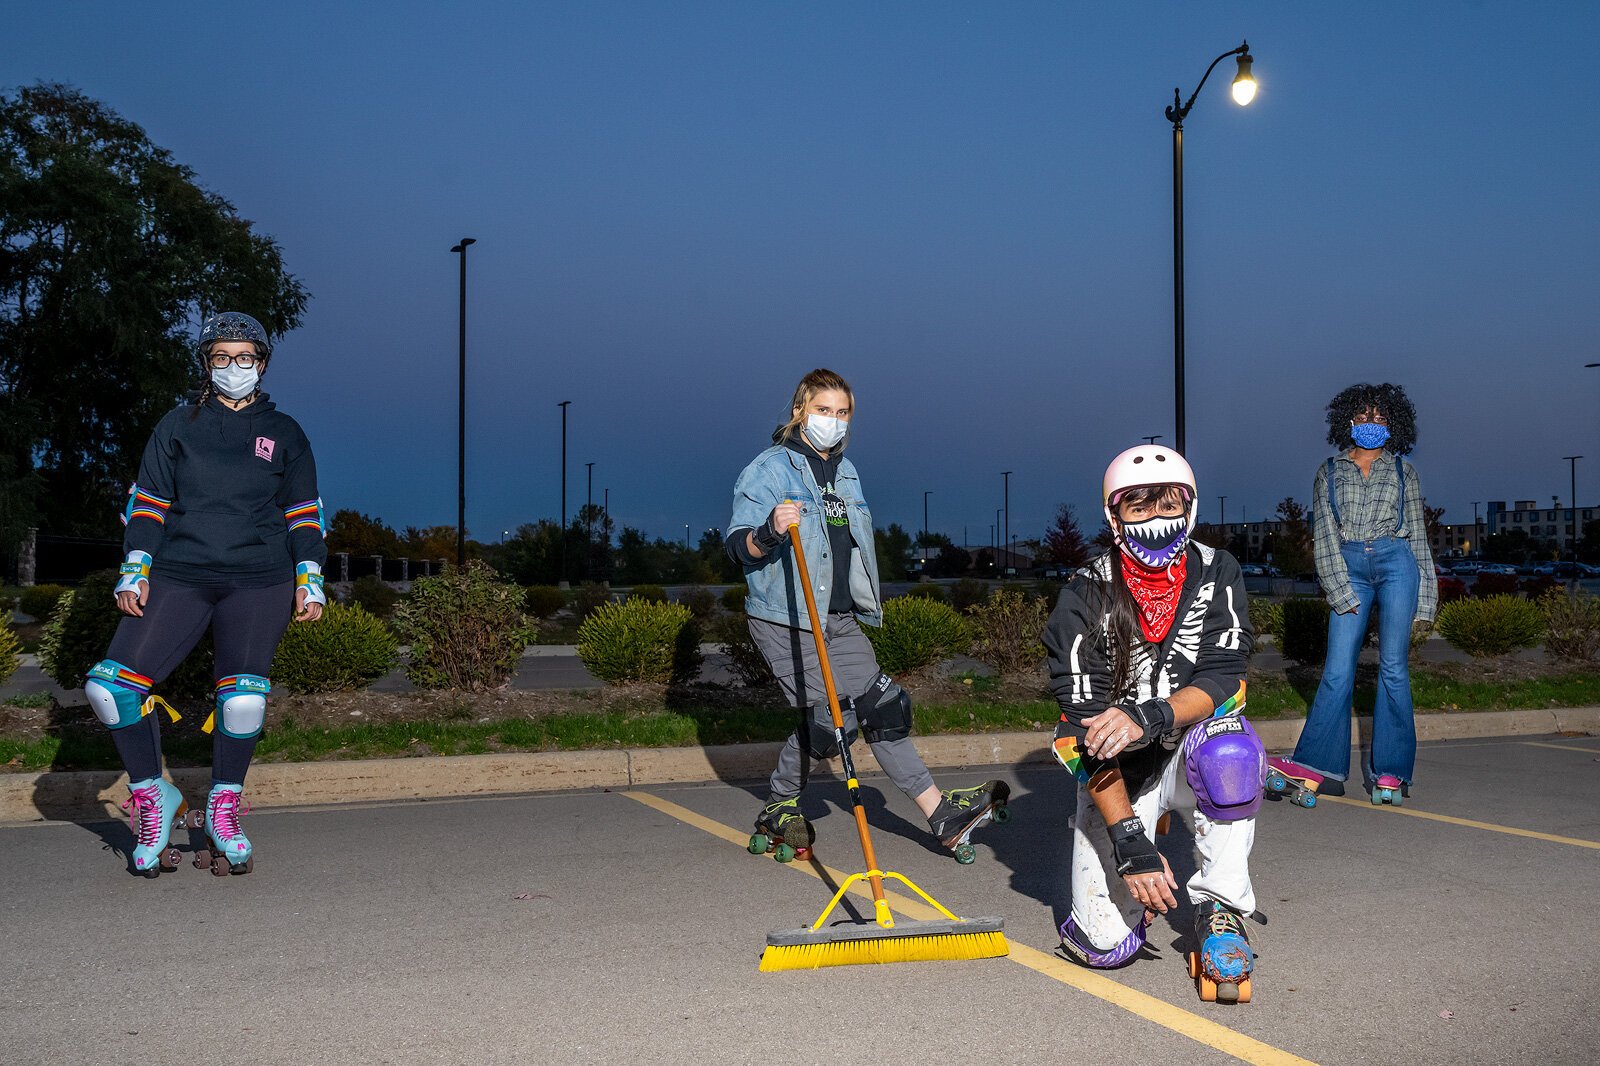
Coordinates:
308 576
1153 716
1136 853
766 538
134 572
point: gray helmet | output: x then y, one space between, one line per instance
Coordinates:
233 326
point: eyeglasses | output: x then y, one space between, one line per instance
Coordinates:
244 361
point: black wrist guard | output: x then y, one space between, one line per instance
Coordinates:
766 539
1136 853
1153 716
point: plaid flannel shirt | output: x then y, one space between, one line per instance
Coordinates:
1369 509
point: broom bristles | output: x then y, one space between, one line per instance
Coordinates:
883 949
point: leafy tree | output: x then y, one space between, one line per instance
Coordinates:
950 562
1508 546
1291 545
110 253
353 532
1064 543
893 546
434 542
1432 520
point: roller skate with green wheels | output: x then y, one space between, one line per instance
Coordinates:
782 831
961 810
1222 965
1387 789
230 851
156 805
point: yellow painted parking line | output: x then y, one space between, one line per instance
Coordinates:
1509 830
1559 747
1202 1030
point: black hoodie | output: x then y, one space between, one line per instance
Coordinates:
215 490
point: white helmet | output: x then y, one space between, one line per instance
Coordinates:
1157 543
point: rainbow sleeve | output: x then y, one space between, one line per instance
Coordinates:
307 515
1234 704
145 504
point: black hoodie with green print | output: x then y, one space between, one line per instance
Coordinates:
218 493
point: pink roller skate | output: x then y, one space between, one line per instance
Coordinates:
1286 777
1386 789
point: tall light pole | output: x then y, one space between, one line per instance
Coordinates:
1222 518
1006 474
1572 463
564 404
1244 90
925 496
1477 539
461 413
998 542
588 522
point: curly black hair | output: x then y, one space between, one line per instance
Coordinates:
1389 400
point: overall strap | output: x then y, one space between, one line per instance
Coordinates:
1400 520
1333 497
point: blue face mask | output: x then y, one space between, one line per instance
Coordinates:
1369 434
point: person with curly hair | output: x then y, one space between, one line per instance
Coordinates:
1371 551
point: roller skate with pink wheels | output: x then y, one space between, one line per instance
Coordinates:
1387 789
156 805
1300 784
230 851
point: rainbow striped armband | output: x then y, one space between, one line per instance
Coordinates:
307 515
145 504
134 571
1234 704
308 576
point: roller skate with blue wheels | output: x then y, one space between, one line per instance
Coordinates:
1285 777
230 851
1387 789
961 810
782 831
1221 968
156 806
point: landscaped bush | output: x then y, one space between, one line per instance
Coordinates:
1006 631
1534 587
701 601
542 601
648 593
10 652
1572 625
1303 634
465 627
1487 585
587 598
733 598
372 595
926 592
39 601
917 631
968 592
731 633
640 640
80 631
347 648
1491 626
1266 616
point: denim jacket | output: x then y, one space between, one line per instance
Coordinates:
779 474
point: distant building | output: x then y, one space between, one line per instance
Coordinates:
1554 524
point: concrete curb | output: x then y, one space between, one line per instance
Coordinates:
97 794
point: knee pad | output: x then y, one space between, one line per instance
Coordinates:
1076 944
1226 765
116 693
885 711
241 706
818 737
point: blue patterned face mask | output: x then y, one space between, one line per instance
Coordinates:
1369 434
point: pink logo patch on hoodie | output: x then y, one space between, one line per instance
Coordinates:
264 447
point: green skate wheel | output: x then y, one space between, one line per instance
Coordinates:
1001 815
1396 798
783 853
758 844
965 854
1377 797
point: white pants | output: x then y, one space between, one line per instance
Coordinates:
1103 908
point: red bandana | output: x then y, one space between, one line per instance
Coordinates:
1157 592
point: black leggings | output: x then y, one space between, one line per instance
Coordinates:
246 625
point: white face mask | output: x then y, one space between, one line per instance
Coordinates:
235 382
825 431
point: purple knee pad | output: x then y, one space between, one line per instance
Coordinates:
1226 765
1076 943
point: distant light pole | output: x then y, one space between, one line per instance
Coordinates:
686 536
925 496
606 509
588 521
1222 519
1244 90
1006 474
1572 463
1477 538
461 413
1152 438
564 404
504 533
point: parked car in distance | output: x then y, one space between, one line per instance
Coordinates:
1466 567
1546 569
1498 568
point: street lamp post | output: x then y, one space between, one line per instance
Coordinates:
1244 90
1572 463
925 496
564 404
461 413
1006 474
1477 538
588 521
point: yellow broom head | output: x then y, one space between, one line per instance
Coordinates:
860 943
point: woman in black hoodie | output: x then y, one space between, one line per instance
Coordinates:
224 529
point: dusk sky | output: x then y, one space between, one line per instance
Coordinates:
964 208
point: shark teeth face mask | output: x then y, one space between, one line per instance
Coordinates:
1157 543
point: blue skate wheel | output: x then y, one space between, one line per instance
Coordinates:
1309 800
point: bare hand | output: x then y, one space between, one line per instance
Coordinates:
303 611
1155 891
783 516
132 603
1110 732
1353 609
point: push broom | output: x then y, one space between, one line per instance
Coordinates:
849 943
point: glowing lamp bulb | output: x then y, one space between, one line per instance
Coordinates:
1244 83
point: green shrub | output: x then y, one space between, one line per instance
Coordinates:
10 652
1266 616
465 627
39 601
543 601
347 648
917 631
1534 587
1491 626
586 598
1303 630
1006 631
1572 625
374 596
968 592
10 595
80 631
731 633
640 640
926 592
701 601
733 598
648 593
